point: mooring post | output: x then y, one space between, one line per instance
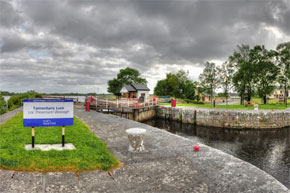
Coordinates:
33 134
63 134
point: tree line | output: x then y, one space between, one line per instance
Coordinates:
250 72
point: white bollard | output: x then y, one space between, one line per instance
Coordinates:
256 107
136 136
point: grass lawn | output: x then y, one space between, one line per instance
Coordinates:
270 106
90 154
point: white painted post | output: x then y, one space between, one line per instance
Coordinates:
117 103
128 103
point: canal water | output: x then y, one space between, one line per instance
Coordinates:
268 150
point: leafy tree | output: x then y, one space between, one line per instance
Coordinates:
244 80
283 60
125 76
265 71
177 85
168 86
189 90
240 56
161 88
208 79
225 78
3 106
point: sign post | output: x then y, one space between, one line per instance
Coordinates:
33 134
63 134
47 113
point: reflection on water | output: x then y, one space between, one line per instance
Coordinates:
269 150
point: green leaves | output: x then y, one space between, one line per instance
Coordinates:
125 76
176 85
3 106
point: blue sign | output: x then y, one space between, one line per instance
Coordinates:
47 112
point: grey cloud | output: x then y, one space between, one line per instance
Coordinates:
87 42
9 17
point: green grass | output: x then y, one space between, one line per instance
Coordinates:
90 154
270 101
270 106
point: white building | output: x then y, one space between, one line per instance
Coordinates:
135 91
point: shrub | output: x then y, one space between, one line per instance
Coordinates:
3 106
15 101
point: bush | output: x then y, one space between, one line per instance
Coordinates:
16 101
3 106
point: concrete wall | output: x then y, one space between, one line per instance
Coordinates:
227 118
138 114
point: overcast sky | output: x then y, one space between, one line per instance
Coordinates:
78 45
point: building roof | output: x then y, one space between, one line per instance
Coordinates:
140 87
136 87
129 88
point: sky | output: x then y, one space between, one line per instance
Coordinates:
78 45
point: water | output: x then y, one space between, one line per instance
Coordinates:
268 150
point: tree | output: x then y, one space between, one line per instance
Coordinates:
168 86
208 79
283 60
240 57
265 71
161 88
244 80
225 78
125 76
3 106
189 89
176 85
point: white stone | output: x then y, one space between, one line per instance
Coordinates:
135 131
135 136
47 147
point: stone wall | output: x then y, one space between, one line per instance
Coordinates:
260 119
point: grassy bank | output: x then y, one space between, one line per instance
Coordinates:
90 154
269 107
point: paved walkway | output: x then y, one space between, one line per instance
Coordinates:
7 116
168 165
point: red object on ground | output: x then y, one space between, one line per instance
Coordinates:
87 106
196 148
154 98
92 99
173 103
